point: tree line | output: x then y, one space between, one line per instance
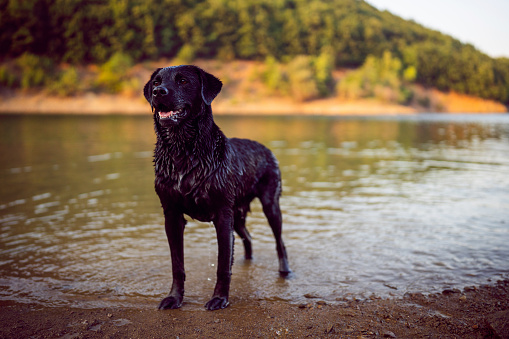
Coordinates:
84 32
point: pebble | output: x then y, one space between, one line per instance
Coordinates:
304 305
389 334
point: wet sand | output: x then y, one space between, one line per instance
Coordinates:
475 312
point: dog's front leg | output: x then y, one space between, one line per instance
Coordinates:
225 241
174 225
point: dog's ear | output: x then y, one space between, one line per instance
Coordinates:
147 90
210 86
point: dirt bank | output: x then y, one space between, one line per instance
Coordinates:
475 312
242 93
114 104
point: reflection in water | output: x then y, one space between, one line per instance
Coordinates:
378 205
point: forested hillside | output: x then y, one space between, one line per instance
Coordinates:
340 33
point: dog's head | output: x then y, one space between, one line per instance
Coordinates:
180 92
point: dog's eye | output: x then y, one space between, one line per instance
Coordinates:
156 83
182 81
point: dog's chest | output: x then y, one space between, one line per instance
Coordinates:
189 188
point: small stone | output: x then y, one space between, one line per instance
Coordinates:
321 302
110 315
305 305
463 298
389 334
390 286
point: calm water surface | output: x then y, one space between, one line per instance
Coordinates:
380 206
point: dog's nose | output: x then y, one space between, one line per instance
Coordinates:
159 91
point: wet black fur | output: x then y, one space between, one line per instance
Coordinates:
202 173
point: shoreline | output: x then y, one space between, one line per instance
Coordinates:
96 104
475 312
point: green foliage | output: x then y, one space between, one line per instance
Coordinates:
337 32
303 77
377 78
186 54
274 76
67 84
34 70
410 74
324 65
114 72
7 78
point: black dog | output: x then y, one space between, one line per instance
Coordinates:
202 173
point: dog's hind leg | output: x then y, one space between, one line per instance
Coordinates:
270 203
239 224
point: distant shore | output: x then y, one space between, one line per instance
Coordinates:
91 103
243 93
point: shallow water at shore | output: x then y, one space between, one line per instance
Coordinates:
381 205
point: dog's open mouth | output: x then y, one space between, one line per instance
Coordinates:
166 113
169 114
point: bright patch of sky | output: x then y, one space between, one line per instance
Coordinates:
484 24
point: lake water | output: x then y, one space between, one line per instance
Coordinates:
371 206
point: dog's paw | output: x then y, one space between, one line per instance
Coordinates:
170 303
284 269
286 274
217 303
